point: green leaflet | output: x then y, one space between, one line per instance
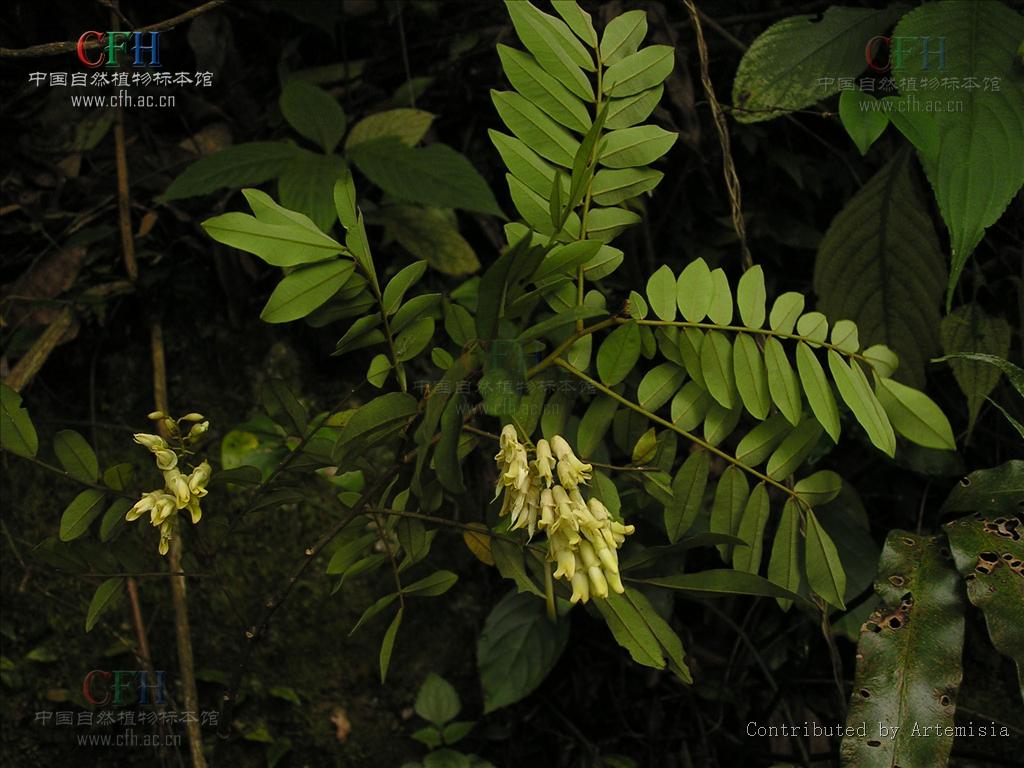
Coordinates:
784 564
280 245
594 424
825 573
628 111
989 553
611 187
607 223
690 406
543 90
659 385
779 72
661 292
623 36
105 597
554 46
687 494
813 326
819 488
525 164
856 393
79 514
751 296
639 629
818 391
693 291
17 433
915 415
908 668
716 365
979 165
618 354
730 501
691 341
720 422
538 131
751 376
637 146
747 557
720 310
724 581
759 443
782 381
76 456
796 447
785 311
970 329
579 21
305 289
880 265
640 71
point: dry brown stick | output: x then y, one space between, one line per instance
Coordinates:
142 638
124 200
30 363
51 49
732 181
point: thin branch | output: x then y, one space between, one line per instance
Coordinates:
52 49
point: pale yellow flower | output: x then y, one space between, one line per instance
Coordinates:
166 459
544 464
199 478
152 442
571 471
177 485
143 505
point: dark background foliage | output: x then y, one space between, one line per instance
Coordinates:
58 221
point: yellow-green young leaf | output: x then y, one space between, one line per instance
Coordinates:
882 359
388 644
785 311
721 422
17 433
819 393
747 557
607 223
280 245
640 71
636 146
313 113
659 385
554 46
543 90
611 187
813 326
760 442
305 289
618 354
844 336
623 36
720 310
782 381
76 456
727 508
825 574
538 131
751 297
915 415
690 405
781 71
716 364
979 166
627 112
579 21
409 126
377 373
691 341
414 339
687 494
106 596
751 376
431 234
970 329
693 291
79 514
796 447
784 564
646 447
397 286
819 488
862 117
344 200
856 393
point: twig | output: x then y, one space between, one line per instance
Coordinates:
51 49
30 363
732 181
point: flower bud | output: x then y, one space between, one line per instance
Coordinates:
580 588
198 430
152 442
615 583
156 415
166 459
194 510
598 583
544 463
193 417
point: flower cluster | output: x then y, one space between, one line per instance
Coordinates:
583 539
180 491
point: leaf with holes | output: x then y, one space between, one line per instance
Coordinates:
908 668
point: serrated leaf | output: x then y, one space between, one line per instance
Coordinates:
856 393
437 702
979 166
751 376
880 265
687 494
76 456
915 415
903 675
637 146
818 391
863 118
825 574
313 113
305 289
517 648
780 72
